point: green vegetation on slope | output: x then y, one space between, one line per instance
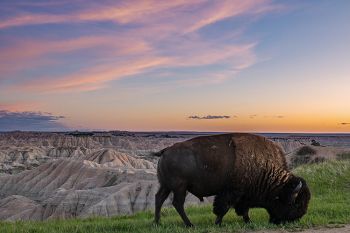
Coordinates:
343 156
330 206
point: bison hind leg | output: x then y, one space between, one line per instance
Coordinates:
161 196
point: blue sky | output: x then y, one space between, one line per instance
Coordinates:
150 65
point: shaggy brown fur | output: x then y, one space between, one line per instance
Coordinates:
242 171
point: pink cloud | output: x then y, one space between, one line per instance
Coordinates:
196 13
122 12
30 53
165 37
19 106
135 11
34 48
220 10
239 56
95 77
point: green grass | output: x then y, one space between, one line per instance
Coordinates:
329 207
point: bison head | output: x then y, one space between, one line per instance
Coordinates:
291 202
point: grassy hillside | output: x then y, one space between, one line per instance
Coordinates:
330 206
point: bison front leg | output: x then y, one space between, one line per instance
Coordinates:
244 212
178 203
221 206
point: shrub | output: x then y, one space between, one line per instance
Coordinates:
343 156
306 150
318 160
315 143
303 156
300 160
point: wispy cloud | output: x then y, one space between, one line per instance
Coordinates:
209 117
93 78
27 121
275 116
17 106
150 35
239 57
253 116
30 53
207 12
220 10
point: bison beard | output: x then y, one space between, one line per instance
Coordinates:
243 171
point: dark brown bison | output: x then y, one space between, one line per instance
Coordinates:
242 170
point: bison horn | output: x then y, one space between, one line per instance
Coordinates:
298 188
296 191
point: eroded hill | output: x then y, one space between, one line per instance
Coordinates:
55 175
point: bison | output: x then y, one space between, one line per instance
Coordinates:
242 170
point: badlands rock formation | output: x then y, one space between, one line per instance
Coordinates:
57 175
108 183
24 151
288 145
328 147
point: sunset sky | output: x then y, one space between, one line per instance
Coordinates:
196 65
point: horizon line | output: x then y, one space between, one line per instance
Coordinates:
168 131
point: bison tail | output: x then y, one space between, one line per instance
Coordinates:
158 153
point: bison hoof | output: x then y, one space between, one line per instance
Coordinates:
156 223
218 221
189 225
247 220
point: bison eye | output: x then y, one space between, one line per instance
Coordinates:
277 198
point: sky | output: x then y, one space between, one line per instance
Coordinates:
181 65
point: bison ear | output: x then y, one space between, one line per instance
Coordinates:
296 191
